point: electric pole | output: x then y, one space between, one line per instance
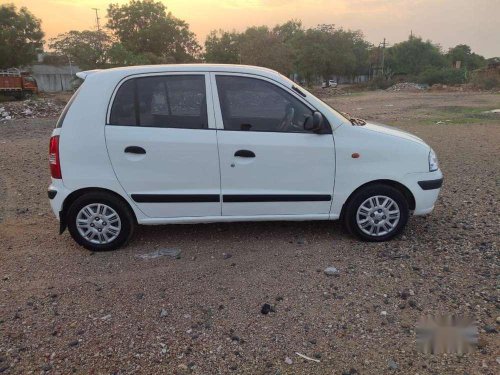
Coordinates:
383 44
97 19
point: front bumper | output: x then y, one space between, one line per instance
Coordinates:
425 188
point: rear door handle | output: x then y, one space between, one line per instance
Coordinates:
244 154
135 150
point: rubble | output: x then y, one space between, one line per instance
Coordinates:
407 86
325 92
30 108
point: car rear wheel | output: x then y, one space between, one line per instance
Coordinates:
376 213
100 221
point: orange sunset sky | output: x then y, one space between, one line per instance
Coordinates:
445 22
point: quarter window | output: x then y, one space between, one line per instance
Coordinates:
251 104
162 101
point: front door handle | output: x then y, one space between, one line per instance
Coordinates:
135 150
244 154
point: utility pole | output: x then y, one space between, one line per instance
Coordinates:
383 44
97 19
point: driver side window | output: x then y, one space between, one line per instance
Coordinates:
251 104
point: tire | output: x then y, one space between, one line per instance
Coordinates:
371 213
93 211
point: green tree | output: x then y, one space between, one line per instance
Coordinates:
21 36
222 47
463 53
87 49
118 55
414 56
146 27
325 51
263 47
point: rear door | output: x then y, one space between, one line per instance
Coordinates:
269 164
162 143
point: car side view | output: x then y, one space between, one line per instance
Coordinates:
222 143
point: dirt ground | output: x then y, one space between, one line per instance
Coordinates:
65 310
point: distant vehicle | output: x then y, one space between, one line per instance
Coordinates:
329 83
17 83
218 143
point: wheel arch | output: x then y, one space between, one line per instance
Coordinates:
410 198
80 192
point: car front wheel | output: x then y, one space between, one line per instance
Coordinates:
100 221
377 213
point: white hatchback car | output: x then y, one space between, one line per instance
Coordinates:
218 143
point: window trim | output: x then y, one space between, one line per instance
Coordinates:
208 98
279 85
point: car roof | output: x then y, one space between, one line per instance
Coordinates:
119 73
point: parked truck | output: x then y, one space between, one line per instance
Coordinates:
17 83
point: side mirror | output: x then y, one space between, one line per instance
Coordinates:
314 123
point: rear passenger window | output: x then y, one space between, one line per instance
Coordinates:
162 101
123 110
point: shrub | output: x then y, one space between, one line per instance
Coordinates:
486 80
380 83
449 76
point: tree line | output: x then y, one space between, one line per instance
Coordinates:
145 32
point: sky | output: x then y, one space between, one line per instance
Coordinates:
445 22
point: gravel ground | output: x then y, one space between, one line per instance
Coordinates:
64 309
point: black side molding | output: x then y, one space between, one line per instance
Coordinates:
52 194
176 198
277 198
431 184
214 198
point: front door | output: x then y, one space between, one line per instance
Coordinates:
162 143
269 164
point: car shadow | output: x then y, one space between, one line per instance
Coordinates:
288 231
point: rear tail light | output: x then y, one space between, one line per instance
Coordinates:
54 162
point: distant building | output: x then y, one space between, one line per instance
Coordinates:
52 78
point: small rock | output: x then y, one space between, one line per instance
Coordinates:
331 271
392 365
267 308
73 343
226 255
47 367
163 313
288 361
383 313
404 294
498 319
490 329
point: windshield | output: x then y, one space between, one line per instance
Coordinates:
342 117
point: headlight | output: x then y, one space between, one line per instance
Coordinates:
433 161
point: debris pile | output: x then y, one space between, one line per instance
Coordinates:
30 108
329 91
407 86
